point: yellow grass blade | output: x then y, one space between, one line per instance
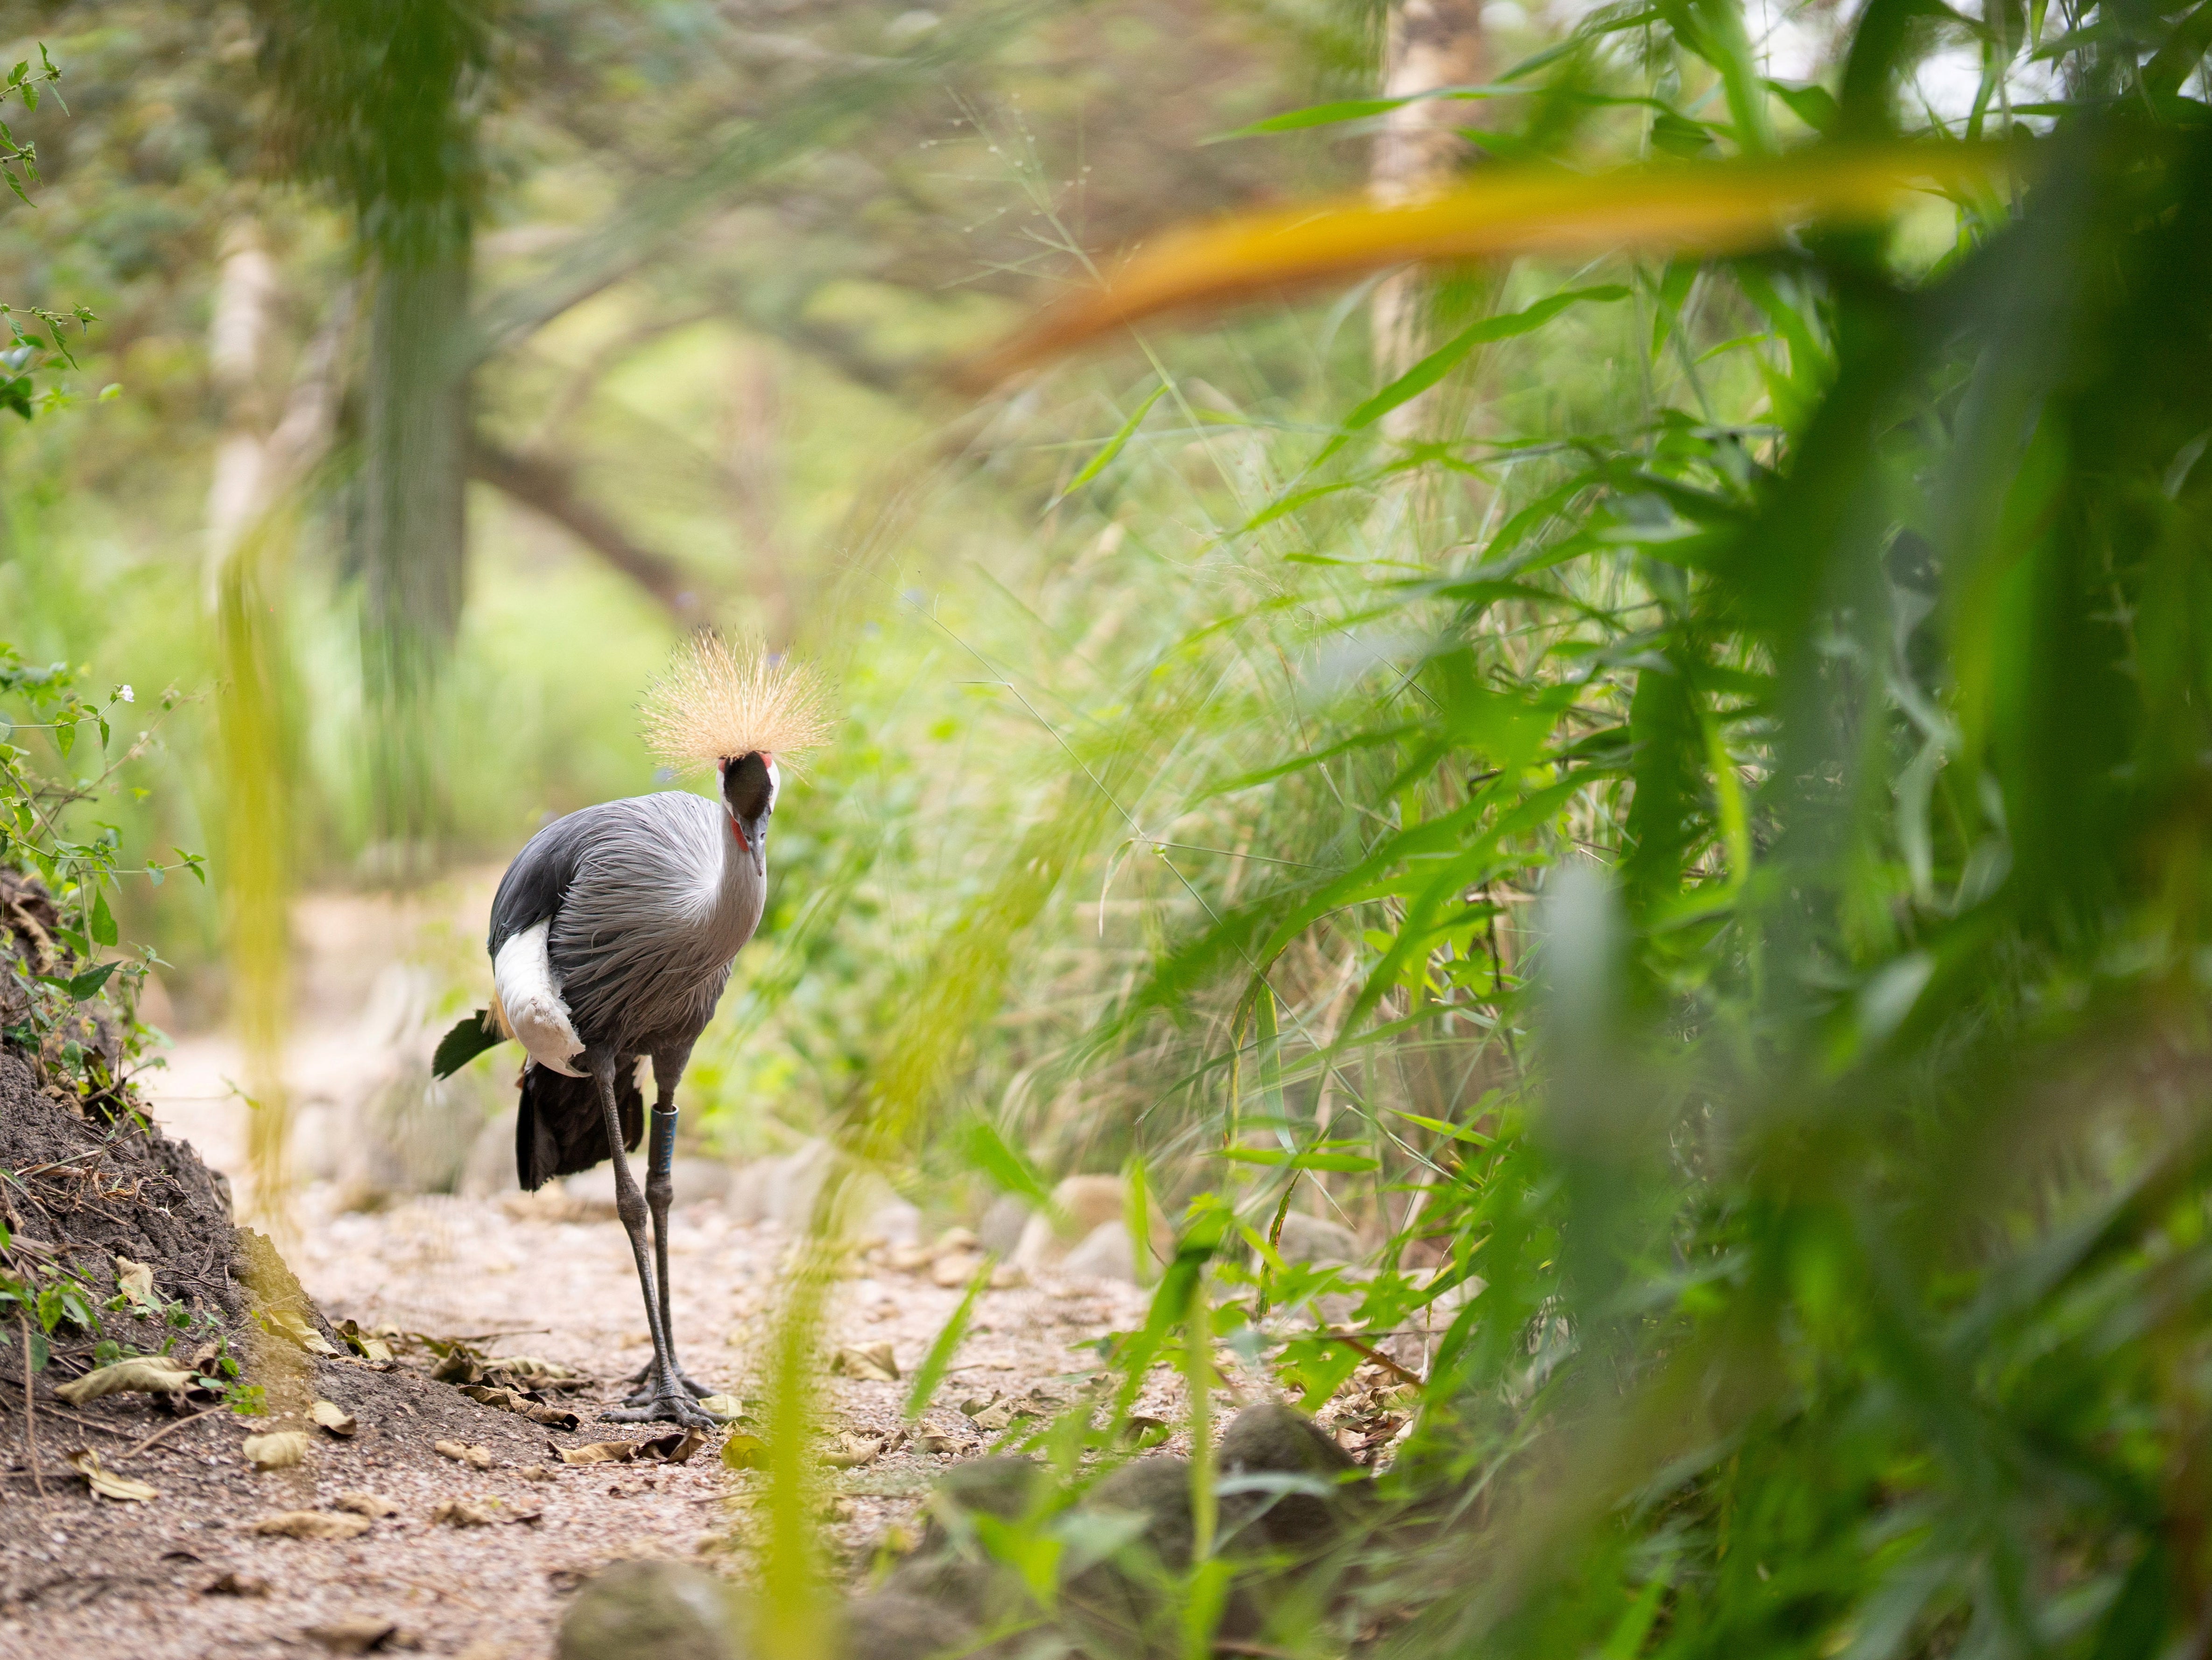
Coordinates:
1734 206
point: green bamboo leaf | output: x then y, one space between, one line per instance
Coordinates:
938 1360
1112 447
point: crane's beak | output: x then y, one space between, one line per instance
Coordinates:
752 835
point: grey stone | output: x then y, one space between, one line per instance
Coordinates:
893 1625
1315 1239
1105 1254
1001 1229
652 1610
1272 1439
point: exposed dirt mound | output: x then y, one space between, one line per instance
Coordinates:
78 1191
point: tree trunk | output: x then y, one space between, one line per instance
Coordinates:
413 526
238 336
1431 44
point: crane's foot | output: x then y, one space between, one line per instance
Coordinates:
639 1384
670 1406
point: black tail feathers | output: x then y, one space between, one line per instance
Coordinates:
561 1128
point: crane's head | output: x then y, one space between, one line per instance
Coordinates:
737 710
749 783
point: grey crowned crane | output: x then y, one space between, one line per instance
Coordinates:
612 935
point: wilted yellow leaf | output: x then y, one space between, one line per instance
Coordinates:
1733 206
148 1374
278 1450
136 1281
873 1361
601 1452
365 1504
290 1324
311 1524
674 1448
107 1483
742 1451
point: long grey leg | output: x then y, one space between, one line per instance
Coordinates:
659 1192
664 1397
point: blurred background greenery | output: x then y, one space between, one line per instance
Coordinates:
1658 784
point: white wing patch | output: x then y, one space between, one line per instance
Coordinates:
522 979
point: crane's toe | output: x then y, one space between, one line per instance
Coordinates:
662 1406
640 1385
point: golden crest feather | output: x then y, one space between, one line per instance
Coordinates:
716 700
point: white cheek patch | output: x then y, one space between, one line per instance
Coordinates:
522 979
775 783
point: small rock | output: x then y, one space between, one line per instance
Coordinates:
1105 1254
650 1610
1001 1229
1271 1439
891 1625
1315 1239
955 1269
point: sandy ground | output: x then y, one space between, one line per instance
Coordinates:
84 1575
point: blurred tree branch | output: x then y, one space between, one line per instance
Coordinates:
548 487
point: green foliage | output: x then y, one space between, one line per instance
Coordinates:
1728 810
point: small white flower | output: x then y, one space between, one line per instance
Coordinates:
128 695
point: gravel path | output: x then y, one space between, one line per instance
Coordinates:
81 1575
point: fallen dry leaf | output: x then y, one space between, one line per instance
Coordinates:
108 1485
135 1280
872 1361
535 1473
234 1584
975 1404
1006 1277
335 1418
365 1504
598 1452
474 1458
935 1443
745 1452
726 1408
143 1374
674 1448
367 1344
910 1259
290 1324
538 1372
356 1636
459 1513
507 1400
854 1452
278 1450
310 1524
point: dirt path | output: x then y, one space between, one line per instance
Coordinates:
81 1575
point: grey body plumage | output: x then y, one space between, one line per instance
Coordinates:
650 900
